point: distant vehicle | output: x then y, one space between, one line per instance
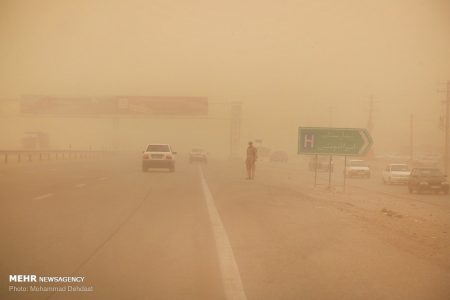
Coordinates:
263 153
158 156
357 168
198 155
279 156
322 163
396 173
427 179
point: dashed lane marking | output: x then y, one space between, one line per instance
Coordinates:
80 185
103 178
43 196
228 267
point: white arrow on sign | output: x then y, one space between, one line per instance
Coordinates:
366 144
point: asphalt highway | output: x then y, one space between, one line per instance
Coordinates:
204 232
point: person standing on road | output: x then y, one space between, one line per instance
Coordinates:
251 160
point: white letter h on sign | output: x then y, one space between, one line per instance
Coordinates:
308 141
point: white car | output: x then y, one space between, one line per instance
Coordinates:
158 156
396 173
357 168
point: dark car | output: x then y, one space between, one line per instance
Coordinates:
427 180
279 156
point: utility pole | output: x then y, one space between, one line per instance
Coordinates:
447 129
411 138
235 128
370 120
330 120
370 154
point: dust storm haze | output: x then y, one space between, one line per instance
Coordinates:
291 63
126 170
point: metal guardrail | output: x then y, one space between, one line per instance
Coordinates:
43 155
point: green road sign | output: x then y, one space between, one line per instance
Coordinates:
333 141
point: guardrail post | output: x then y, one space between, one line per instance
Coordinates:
47 155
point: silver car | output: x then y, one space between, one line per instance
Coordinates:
396 173
158 156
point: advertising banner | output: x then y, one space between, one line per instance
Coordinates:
114 105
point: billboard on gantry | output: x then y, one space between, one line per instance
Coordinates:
115 105
152 105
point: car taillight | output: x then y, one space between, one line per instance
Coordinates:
169 157
145 156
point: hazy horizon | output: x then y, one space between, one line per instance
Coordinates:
287 62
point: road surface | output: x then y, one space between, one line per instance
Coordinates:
204 232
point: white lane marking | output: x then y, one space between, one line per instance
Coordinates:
103 178
80 185
228 267
43 196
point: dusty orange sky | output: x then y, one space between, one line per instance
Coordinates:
288 61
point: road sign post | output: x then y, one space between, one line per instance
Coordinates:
333 141
315 169
345 174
